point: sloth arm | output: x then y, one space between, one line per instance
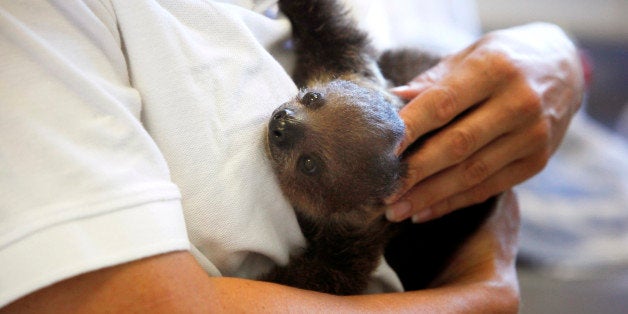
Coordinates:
482 279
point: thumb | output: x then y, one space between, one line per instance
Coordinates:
409 91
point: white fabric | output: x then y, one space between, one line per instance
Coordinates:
441 27
118 117
82 185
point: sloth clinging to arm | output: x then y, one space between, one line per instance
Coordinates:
141 75
328 56
332 148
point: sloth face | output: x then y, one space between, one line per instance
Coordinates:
332 148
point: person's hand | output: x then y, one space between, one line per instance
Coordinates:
503 104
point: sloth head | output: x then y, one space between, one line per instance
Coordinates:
333 150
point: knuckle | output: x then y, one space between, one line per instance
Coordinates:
501 64
446 108
463 143
494 61
530 102
412 173
475 173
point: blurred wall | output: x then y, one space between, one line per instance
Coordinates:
605 20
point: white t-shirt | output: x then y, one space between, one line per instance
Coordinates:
133 128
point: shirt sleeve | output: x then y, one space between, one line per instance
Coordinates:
82 184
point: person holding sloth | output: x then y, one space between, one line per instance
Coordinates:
127 154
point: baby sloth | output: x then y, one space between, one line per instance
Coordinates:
333 151
332 148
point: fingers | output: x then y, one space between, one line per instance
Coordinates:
460 140
494 110
514 174
411 90
501 164
441 95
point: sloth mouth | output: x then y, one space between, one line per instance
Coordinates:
267 148
272 152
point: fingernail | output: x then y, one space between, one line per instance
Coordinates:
422 216
398 211
400 88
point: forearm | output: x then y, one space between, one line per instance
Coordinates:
481 278
471 297
175 283
480 297
476 296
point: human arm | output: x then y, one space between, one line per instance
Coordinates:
153 280
481 278
504 104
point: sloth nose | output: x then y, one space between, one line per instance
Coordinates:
284 129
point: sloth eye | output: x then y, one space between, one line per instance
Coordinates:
308 164
312 100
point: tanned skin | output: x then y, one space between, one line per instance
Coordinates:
479 278
333 150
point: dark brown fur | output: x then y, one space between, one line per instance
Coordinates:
333 150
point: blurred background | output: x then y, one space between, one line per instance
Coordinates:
574 244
